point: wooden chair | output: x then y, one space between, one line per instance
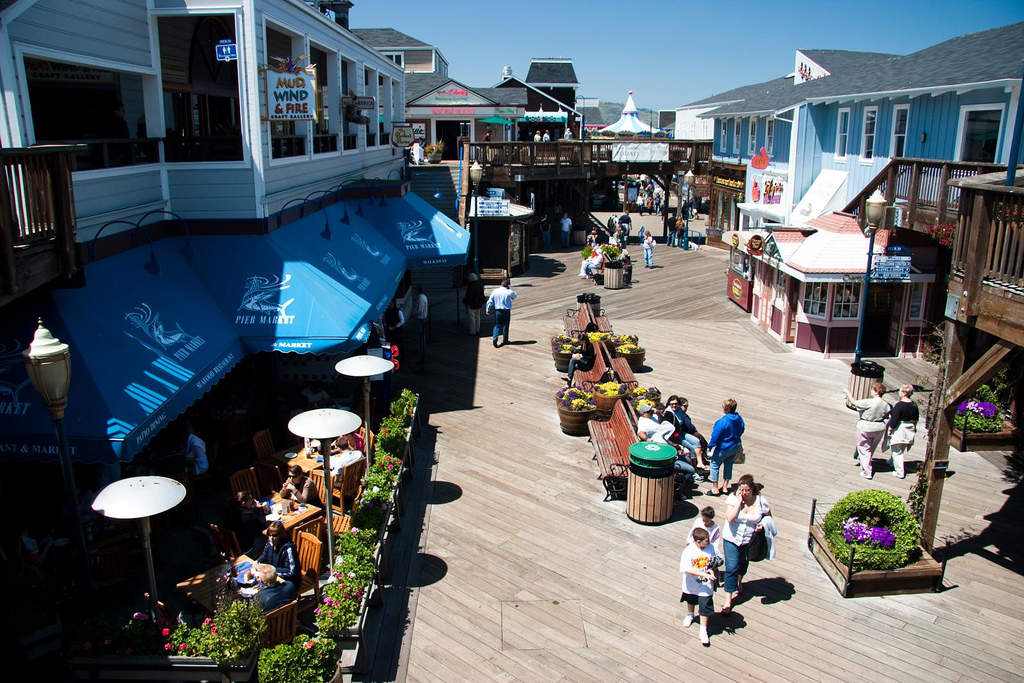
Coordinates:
269 478
226 542
310 551
245 481
109 567
351 482
281 624
367 442
263 444
320 481
314 527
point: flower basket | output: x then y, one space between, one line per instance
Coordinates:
562 348
575 407
633 354
606 394
433 152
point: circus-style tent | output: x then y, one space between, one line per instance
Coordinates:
629 124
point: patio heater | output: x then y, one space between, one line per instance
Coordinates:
48 364
476 173
688 180
325 424
366 367
140 498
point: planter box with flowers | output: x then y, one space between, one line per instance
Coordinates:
870 544
223 647
649 394
627 346
433 152
562 348
986 426
575 407
605 394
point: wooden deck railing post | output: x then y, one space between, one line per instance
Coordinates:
976 261
64 203
940 207
914 198
8 226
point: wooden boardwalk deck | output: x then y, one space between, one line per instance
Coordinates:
530 576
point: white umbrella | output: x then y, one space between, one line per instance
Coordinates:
140 498
325 424
365 367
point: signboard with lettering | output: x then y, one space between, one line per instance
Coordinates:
359 101
419 130
227 51
401 134
891 268
452 94
492 207
291 96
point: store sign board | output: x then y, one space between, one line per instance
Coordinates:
362 102
402 135
419 130
451 94
493 207
291 96
891 268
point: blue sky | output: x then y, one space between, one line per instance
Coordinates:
670 53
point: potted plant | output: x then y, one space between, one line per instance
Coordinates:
649 394
632 352
596 337
607 393
305 660
870 544
575 407
434 151
562 348
981 421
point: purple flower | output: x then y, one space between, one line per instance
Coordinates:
983 408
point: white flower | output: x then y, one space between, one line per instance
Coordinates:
376 489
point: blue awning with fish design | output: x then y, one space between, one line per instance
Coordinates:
425 236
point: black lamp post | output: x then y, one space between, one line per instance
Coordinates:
476 173
873 213
48 364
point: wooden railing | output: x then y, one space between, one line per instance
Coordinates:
921 189
574 156
37 218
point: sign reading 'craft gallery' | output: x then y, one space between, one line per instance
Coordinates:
291 96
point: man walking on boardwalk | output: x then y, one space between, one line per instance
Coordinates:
500 302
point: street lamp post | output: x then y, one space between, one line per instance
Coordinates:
688 179
874 212
476 173
48 364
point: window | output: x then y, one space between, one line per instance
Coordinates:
287 138
900 116
769 136
847 301
736 137
396 57
752 138
916 301
979 132
815 299
723 137
867 135
324 138
842 133
780 287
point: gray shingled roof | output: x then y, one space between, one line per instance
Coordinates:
387 37
419 84
991 55
552 72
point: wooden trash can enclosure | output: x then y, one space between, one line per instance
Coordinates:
650 488
862 374
613 277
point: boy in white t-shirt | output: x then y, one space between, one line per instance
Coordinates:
698 581
706 521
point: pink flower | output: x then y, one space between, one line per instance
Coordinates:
316 611
213 629
166 632
308 644
167 646
206 621
181 647
327 600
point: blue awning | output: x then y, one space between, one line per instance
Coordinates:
425 236
151 333
146 341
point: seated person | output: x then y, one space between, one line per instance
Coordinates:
350 450
584 360
649 429
280 553
300 488
595 262
195 452
34 555
248 516
274 592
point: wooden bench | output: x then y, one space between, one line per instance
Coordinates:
585 379
493 276
612 440
622 369
576 320
602 322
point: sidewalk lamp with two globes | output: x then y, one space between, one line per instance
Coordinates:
874 212
48 364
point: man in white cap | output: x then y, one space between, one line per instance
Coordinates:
650 429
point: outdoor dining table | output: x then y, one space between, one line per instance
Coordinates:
203 586
302 457
297 517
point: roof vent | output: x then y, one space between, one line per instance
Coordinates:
506 72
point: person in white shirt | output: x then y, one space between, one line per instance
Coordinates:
568 133
744 511
566 227
698 581
706 521
419 312
416 152
500 303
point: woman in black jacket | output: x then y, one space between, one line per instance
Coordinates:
583 359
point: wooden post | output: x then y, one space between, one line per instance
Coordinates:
940 210
937 459
915 189
977 250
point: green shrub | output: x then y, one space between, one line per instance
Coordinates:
391 436
875 508
233 633
404 406
306 660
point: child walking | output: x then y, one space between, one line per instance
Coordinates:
698 581
706 521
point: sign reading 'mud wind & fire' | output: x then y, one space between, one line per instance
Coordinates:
291 91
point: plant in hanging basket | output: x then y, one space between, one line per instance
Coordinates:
878 526
574 400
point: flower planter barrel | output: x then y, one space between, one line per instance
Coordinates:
635 360
613 278
434 158
923 576
1004 439
561 361
574 422
605 404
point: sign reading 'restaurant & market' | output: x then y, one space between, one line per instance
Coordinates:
291 95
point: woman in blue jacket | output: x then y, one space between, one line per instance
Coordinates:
726 442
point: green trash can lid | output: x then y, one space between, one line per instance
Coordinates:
651 454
